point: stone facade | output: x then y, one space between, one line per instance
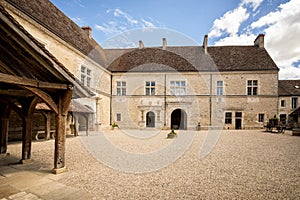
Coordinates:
200 103
167 87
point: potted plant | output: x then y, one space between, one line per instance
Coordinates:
172 134
114 125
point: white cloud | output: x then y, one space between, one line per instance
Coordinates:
107 29
230 22
118 13
282 37
243 39
281 28
123 22
254 3
147 24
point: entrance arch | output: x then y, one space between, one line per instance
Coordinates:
150 119
178 119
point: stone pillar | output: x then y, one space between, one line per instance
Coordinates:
98 123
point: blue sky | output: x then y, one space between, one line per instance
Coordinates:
117 23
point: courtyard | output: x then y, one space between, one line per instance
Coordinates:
136 164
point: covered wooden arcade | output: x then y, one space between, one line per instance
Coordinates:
29 74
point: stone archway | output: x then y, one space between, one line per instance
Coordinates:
179 119
150 119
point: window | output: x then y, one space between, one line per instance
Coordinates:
88 72
219 87
294 102
282 103
228 118
121 88
282 118
82 79
118 117
86 76
261 117
252 87
83 69
88 81
150 88
238 115
177 87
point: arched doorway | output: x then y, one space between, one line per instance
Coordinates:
178 119
150 119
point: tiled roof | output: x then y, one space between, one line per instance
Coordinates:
49 16
241 58
190 58
289 87
156 59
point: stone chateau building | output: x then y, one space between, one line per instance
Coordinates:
230 87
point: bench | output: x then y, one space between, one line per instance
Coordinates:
43 132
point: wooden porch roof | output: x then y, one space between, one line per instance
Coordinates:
24 62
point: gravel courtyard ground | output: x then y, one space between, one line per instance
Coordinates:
242 165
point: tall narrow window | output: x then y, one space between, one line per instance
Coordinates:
228 118
261 117
118 117
177 87
219 87
86 76
121 88
150 88
82 79
294 102
282 103
252 86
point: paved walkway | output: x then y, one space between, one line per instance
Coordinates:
30 182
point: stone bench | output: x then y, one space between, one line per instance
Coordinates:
43 132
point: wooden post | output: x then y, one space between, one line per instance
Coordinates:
4 122
28 107
64 101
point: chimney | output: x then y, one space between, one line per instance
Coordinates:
164 43
141 44
259 41
205 40
88 31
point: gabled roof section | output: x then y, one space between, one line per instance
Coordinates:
289 87
241 58
49 16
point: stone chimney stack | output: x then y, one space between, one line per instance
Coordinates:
164 43
259 41
141 44
205 43
88 31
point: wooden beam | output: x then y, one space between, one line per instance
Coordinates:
16 80
45 97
